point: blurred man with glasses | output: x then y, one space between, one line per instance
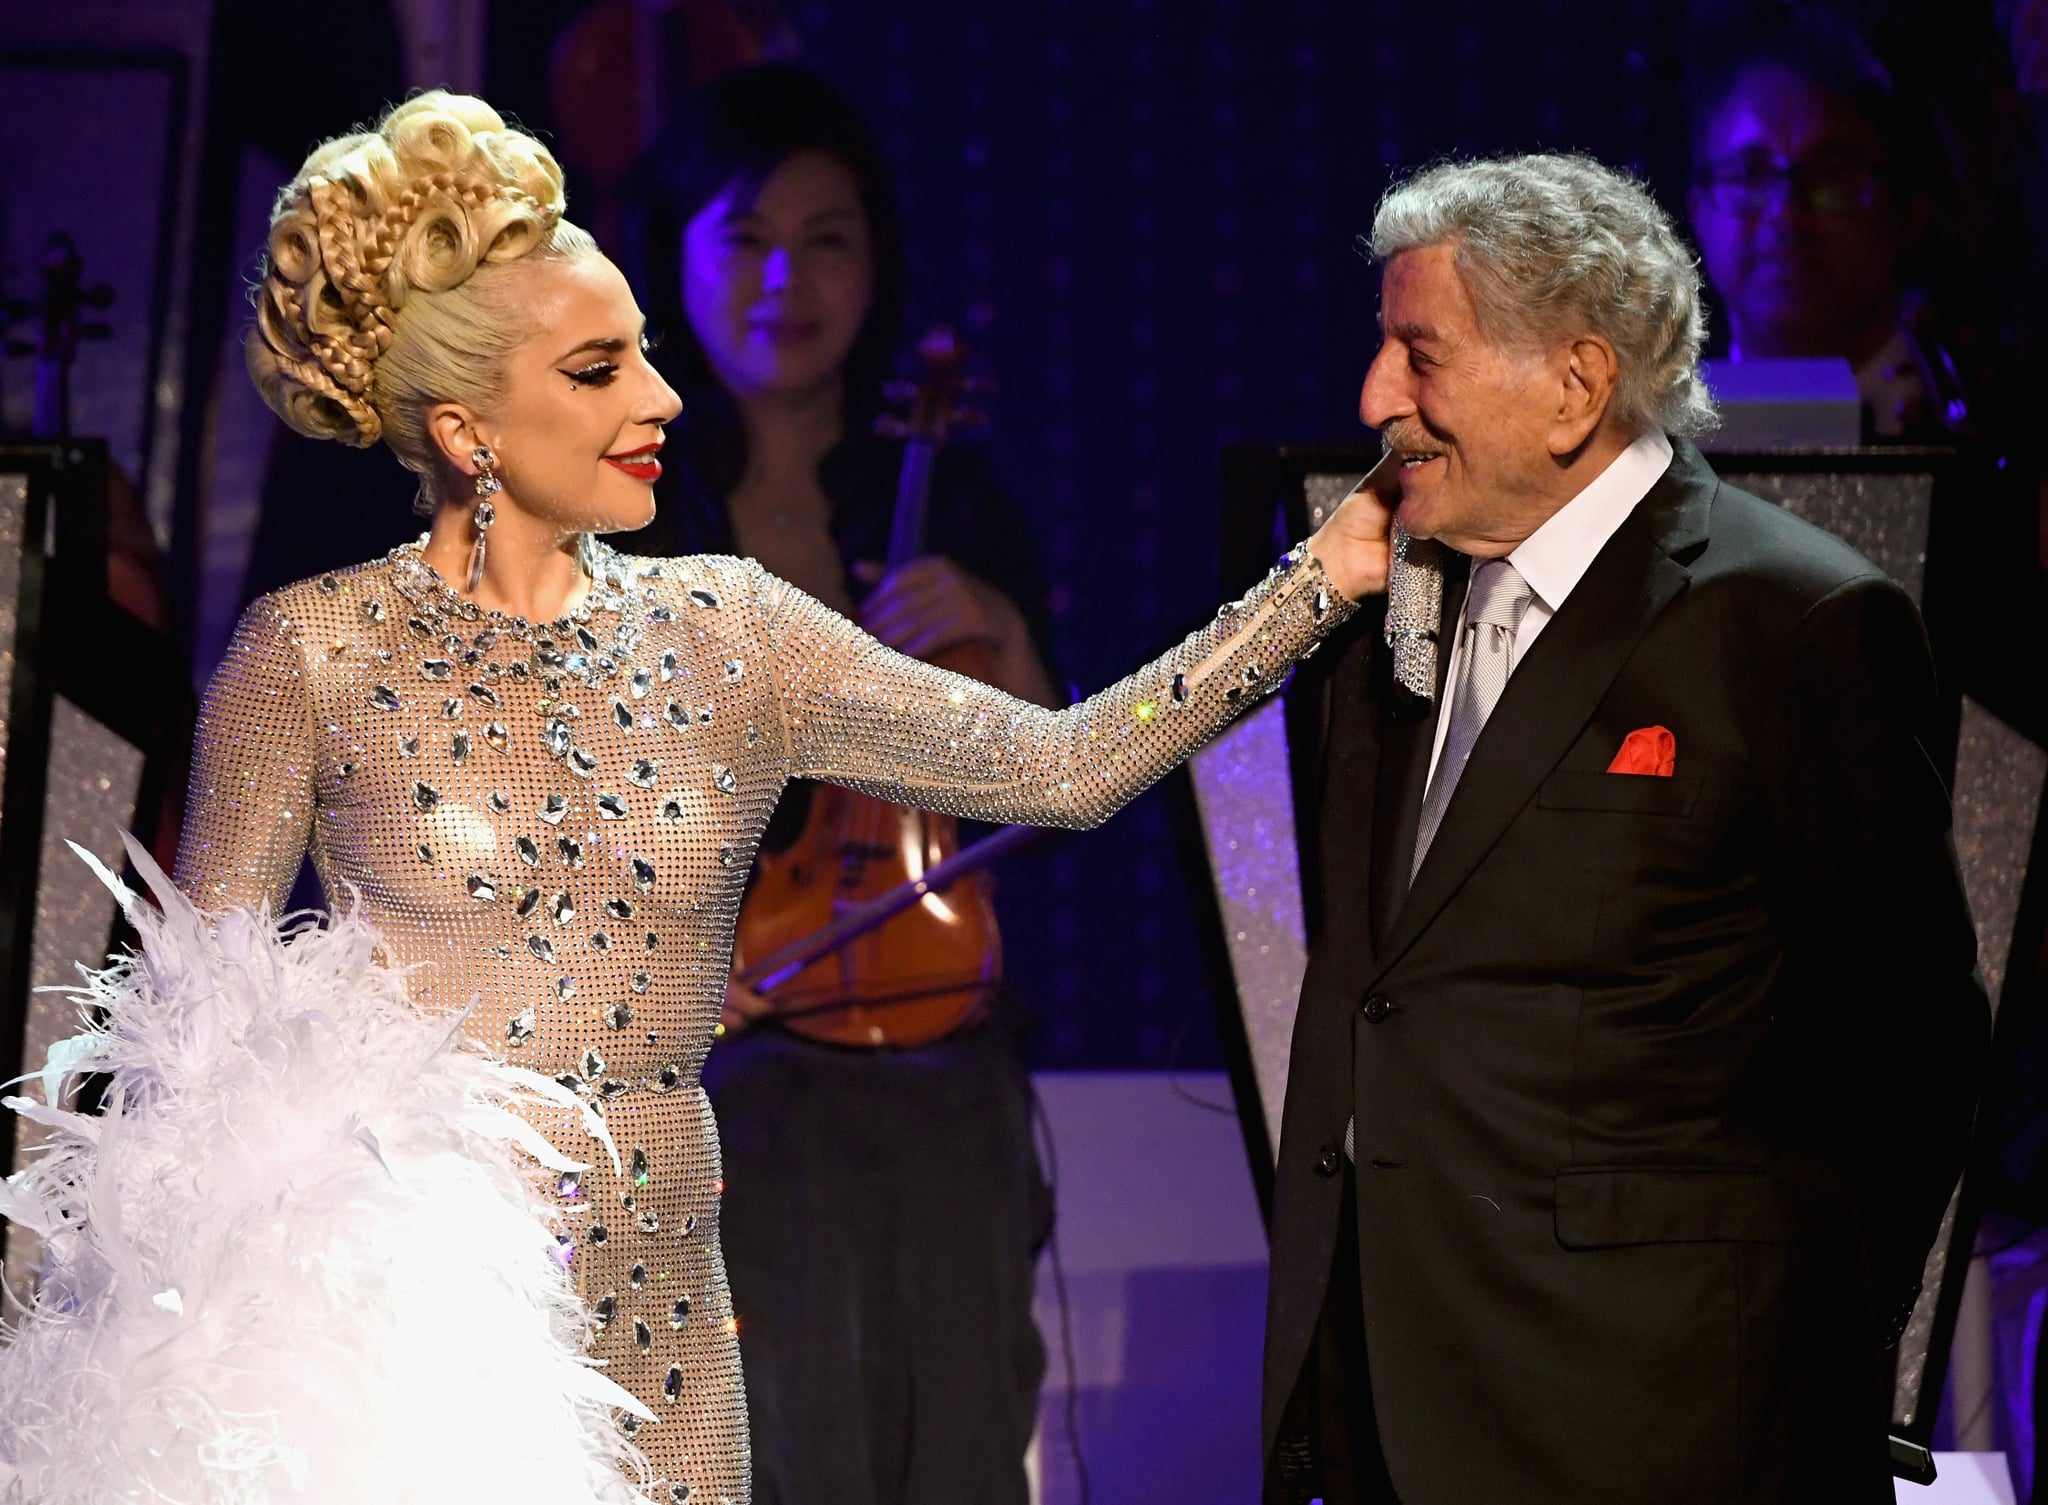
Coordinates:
1805 204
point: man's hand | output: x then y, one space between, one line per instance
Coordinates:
743 1006
1356 544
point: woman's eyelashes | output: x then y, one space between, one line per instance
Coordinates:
601 373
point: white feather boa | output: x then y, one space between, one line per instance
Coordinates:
298 1257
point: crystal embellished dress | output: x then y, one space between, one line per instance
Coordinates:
551 826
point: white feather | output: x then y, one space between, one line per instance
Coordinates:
300 1256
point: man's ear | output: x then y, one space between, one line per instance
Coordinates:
456 433
1586 370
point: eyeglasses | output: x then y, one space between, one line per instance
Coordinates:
1752 182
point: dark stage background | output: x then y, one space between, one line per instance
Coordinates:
1143 213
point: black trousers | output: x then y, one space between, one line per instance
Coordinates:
1330 1418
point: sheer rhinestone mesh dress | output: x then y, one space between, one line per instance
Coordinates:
552 826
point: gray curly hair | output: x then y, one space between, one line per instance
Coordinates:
1552 246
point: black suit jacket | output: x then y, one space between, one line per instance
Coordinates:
1661 1084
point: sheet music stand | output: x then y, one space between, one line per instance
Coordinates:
94 712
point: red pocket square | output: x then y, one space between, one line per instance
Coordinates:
1648 750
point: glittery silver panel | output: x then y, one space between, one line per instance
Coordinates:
1247 807
1882 517
1999 781
555 823
1323 493
13 512
90 799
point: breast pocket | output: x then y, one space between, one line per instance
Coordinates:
1621 793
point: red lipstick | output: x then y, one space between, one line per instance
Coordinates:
643 464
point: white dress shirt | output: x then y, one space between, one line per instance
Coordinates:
1557 555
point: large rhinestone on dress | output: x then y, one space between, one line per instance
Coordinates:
519 1029
672 809
592 1065
529 901
672 1383
587 638
645 771
458 747
563 908
619 909
619 1016
529 850
678 1494
704 714
638 1168
565 988
481 888
611 806
622 714
681 1314
435 668
637 1277
678 717
499 801
553 808
451 708
650 1223
643 873
571 850
723 779
668 666
643 1335
556 735
483 694
605 1309
642 683
582 764
726 855
541 947
642 982
426 796
600 940
599 1234
702 597
735 671
408 745
384 698
668 1078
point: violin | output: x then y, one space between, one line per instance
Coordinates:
61 324
928 965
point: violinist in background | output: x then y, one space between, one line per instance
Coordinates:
883 1207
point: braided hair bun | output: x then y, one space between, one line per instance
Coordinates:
376 224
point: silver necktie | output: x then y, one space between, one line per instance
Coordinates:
1493 612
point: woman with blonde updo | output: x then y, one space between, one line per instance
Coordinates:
539 769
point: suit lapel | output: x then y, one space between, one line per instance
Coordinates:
1549 698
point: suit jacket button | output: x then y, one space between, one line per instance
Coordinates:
1328 1161
1376 1009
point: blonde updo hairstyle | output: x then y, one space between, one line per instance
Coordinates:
391 284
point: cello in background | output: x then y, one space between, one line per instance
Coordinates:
928 969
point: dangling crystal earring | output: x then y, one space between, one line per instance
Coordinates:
487 486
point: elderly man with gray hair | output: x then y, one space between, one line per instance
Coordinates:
1640 1035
